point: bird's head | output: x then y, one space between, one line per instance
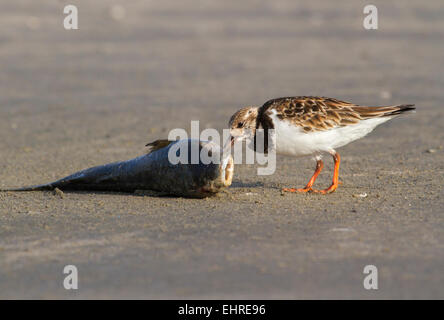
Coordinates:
243 124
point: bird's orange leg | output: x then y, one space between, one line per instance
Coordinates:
335 182
319 166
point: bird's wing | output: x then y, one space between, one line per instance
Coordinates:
321 113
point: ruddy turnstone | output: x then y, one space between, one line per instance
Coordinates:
310 126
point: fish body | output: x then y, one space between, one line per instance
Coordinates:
152 171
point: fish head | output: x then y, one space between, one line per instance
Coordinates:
215 169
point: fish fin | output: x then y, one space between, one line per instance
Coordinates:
158 144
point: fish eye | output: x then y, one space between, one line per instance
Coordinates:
240 124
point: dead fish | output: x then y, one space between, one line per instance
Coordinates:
154 171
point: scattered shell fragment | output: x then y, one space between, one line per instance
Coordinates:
360 195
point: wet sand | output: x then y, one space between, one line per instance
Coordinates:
74 99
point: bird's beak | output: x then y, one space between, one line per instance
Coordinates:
234 138
230 142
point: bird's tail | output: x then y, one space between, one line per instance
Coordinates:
388 111
401 109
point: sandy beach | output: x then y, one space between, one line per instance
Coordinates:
135 70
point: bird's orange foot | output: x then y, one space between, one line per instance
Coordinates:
325 191
303 190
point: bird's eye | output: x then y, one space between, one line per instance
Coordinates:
240 124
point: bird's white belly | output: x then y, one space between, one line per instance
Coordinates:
293 140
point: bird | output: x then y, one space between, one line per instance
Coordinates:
310 126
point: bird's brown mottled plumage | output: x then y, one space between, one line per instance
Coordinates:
310 126
244 118
321 113
311 114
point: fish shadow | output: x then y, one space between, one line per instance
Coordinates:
240 184
137 193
